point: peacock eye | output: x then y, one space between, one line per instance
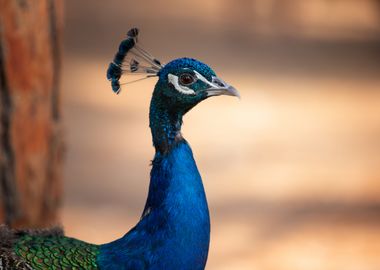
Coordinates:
186 79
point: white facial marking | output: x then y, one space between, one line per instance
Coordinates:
213 85
203 79
180 88
147 212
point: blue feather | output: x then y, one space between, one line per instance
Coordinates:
174 231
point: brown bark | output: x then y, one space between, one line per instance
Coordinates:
30 129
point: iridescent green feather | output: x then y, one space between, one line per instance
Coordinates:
57 252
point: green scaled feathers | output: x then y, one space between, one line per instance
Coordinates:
55 253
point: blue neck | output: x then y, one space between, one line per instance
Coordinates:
174 230
165 124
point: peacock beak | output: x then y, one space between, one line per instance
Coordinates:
220 87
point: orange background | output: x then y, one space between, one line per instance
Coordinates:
291 171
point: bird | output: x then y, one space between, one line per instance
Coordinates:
174 229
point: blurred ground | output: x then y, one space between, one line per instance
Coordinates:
291 170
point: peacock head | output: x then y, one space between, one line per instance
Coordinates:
182 83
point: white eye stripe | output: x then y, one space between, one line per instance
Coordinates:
180 88
203 79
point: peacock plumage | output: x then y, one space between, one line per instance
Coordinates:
174 229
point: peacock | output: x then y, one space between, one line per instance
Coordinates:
173 232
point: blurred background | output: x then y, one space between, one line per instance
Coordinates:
291 171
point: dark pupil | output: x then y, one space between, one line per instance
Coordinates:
186 79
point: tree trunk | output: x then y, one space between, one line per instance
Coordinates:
30 122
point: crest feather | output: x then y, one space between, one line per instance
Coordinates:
131 59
